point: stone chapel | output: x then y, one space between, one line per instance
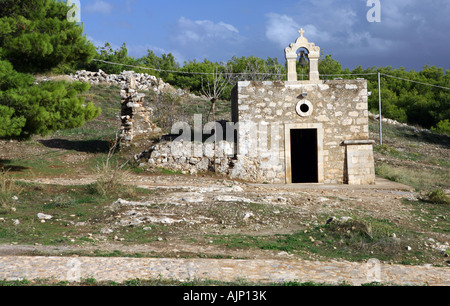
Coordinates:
303 131
282 132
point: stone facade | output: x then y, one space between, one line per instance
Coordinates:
337 110
304 131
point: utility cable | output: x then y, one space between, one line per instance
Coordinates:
262 73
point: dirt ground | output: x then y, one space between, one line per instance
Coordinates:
187 205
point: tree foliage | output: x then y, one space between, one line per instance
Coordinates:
329 67
35 37
412 102
108 54
27 108
158 65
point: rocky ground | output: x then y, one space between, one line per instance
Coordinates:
187 210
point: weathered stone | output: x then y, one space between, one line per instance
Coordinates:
42 216
136 119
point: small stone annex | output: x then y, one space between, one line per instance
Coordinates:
282 132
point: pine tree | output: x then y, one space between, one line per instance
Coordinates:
36 37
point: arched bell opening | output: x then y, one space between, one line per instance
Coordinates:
298 61
303 63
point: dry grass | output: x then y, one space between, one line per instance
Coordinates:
8 191
110 174
420 180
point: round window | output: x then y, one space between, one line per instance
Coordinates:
304 108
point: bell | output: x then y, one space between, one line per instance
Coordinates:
303 61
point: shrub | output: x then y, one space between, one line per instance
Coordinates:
110 175
110 178
352 229
443 127
438 196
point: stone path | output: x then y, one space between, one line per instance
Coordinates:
74 269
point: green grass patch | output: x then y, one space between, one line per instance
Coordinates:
9 190
168 171
354 240
431 216
427 168
75 210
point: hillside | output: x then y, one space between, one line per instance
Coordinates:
88 206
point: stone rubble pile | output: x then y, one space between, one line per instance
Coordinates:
193 158
395 122
144 81
178 156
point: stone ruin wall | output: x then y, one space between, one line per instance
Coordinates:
184 156
191 157
135 117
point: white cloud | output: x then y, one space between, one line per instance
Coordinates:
229 27
190 31
200 39
98 6
281 29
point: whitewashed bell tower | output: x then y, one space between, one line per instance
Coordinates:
292 55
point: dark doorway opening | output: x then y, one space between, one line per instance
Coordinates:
304 156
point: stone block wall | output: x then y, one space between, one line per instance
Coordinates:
143 81
359 156
266 111
192 157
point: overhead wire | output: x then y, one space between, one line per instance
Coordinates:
422 83
177 71
262 73
211 73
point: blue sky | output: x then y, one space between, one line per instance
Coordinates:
411 34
